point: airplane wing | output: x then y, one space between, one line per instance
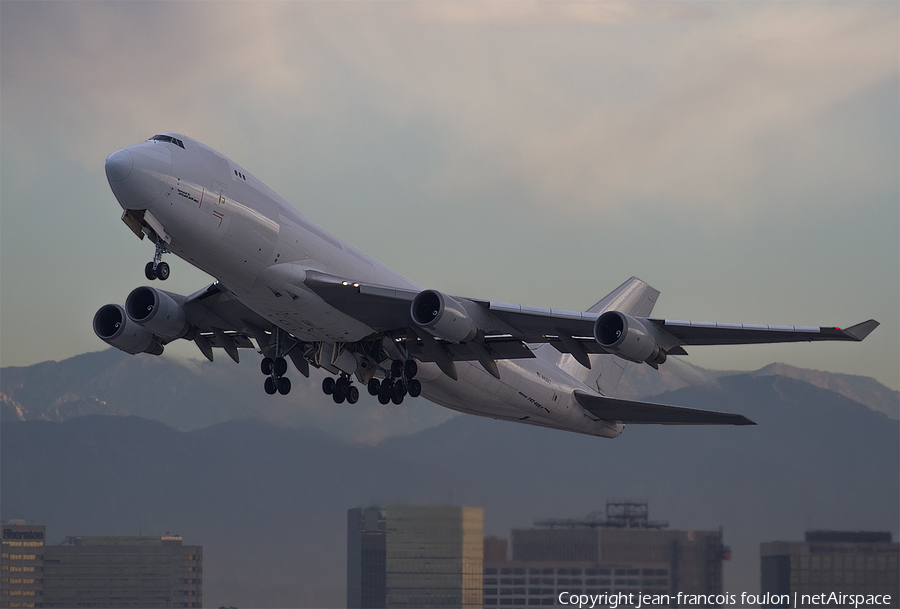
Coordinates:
212 317
503 328
222 321
706 333
642 413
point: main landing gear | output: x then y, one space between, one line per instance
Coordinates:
341 389
275 369
397 384
400 383
156 268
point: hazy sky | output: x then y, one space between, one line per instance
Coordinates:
743 158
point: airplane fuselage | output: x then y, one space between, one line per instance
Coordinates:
217 216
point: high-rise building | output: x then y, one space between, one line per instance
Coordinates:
404 556
623 553
123 572
22 565
826 562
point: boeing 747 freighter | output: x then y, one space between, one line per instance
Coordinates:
294 292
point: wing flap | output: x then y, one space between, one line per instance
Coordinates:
498 348
645 413
382 308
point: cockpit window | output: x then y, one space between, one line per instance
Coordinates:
168 138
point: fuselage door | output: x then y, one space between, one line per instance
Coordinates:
219 190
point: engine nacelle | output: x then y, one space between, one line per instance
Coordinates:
442 316
113 326
627 337
158 312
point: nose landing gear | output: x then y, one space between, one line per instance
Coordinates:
157 269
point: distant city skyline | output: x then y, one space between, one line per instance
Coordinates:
816 460
740 157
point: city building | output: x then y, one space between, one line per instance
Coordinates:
403 556
22 565
621 553
123 572
495 549
826 562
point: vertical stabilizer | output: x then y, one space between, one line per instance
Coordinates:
634 297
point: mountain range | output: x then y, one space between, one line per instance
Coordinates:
191 394
267 499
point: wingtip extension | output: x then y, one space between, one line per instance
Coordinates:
862 330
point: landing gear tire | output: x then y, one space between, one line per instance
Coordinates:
328 385
338 397
410 368
399 391
149 272
266 365
284 385
374 386
352 394
385 391
396 368
270 386
162 271
414 388
280 366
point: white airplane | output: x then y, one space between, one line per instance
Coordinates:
303 294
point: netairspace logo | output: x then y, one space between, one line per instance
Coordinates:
638 600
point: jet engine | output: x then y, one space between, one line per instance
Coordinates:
442 316
113 326
158 312
627 337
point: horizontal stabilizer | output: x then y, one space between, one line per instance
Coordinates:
642 413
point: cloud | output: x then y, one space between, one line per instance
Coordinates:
681 121
594 106
532 13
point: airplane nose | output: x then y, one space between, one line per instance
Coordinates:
119 165
138 174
